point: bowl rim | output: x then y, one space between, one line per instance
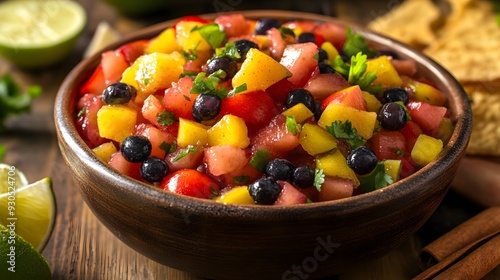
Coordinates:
67 134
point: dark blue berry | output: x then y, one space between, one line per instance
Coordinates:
265 24
395 94
279 169
300 95
306 37
264 191
154 169
118 93
243 46
206 107
303 176
392 116
135 148
322 55
225 64
362 160
317 111
325 68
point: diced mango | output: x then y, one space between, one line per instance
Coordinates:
387 76
335 164
259 71
364 122
165 42
191 133
445 130
190 39
299 111
237 195
315 140
330 50
425 92
372 102
116 122
104 151
230 130
426 149
393 168
152 72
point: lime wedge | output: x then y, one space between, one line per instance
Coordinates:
19 259
32 208
104 35
39 33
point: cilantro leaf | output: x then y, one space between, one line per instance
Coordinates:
167 147
189 55
341 67
229 51
243 179
212 33
260 159
319 178
359 76
356 43
238 89
209 85
166 118
377 179
214 191
347 132
408 116
185 152
286 31
292 126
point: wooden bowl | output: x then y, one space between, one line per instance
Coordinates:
220 241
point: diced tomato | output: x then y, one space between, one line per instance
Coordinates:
86 122
318 39
192 183
191 160
157 138
407 166
279 91
300 60
334 188
289 195
323 85
427 116
275 138
179 100
332 33
404 67
234 25
113 65
191 18
257 108
411 131
95 84
351 97
133 50
388 145
151 109
277 43
125 167
300 25
243 176
224 159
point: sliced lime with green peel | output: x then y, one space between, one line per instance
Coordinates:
32 208
38 33
19 259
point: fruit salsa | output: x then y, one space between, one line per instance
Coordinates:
264 112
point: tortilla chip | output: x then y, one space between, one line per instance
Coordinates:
410 22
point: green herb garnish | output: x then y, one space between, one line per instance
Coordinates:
189 55
377 179
243 179
208 85
319 178
356 43
166 118
188 74
347 132
214 191
292 126
168 147
260 159
185 152
408 116
286 31
238 89
228 51
82 112
212 33
13 101
359 76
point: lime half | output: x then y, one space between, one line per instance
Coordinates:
19 259
39 33
31 208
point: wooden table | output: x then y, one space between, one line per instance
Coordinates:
80 246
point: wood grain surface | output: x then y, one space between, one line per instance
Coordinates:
80 246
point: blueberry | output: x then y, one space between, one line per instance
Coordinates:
306 37
118 93
206 107
395 94
303 176
325 68
322 55
362 160
154 169
265 24
225 64
279 169
317 111
300 95
264 191
243 46
392 116
135 148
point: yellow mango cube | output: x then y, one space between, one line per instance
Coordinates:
230 130
190 39
299 111
445 130
315 140
426 149
392 168
372 102
425 92
164 43
330 50
191 133
363 121
116 122
104 151
334 164
387 76
259 71
151 72
237 195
